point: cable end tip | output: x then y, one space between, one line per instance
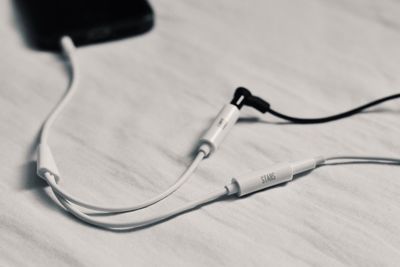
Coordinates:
240 96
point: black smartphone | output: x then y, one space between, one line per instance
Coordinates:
85 21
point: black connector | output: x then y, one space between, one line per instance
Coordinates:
243 97
240 96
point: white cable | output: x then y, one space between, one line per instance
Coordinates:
68 48
141 222
363 158
240 185
46 163
184 177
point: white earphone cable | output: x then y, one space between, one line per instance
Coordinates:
68 48
142 222
184 177
362 158
239 185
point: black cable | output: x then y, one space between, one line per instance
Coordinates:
265 107
333 117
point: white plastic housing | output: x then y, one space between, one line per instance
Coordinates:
46 163
222 124
258 180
